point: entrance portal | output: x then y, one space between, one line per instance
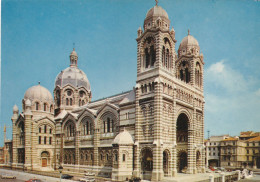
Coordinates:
183 162
45 157
44 162
165 163
146 163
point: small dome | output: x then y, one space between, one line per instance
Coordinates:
28 102
157 11
73 76
15 108
38 92
188 41
73 53
124 138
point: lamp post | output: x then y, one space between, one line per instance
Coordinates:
60 170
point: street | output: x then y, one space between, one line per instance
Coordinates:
22 176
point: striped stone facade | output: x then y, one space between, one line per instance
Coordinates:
153 131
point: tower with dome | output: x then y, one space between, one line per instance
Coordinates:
153 131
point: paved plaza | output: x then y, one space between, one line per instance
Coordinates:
22 176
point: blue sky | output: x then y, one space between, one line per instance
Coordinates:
37 38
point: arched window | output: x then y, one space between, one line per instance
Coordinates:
58 97
37 106
123 157
198 79
45 107
184 72
108 123
40 129
67 101
45 129
71 101
69 129
149 53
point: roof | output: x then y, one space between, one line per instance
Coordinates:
254 139
38 92
157 11
230 139
249 133
124 138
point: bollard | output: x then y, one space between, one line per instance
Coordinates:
222 177
211 178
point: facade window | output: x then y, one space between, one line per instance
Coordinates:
214 143
45 107
247 158
45 140
91 157
50 140
123 157
50 130
36 106
45 129
253 143
116 157
40 140
247 144
101 157
40 129
86 157
107 157
247 151
71 101
234 143
67 101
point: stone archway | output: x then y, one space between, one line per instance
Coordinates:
182 128
45 157
182 161
146 163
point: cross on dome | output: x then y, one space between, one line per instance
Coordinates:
156 1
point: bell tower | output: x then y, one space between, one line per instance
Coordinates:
155 74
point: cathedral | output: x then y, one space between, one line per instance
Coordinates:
153 131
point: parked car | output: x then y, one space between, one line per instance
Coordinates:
8 176
33 180
66 176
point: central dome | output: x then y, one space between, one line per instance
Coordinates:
73 76
157 11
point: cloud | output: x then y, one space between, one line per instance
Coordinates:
221 76
232 100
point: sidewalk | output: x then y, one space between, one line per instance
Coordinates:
26 176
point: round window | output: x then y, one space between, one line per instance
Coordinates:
69 92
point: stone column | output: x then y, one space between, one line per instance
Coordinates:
96 144
174 151
77 143
157 173
27 127
190 169
137 166
14 150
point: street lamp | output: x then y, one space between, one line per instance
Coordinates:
60 170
